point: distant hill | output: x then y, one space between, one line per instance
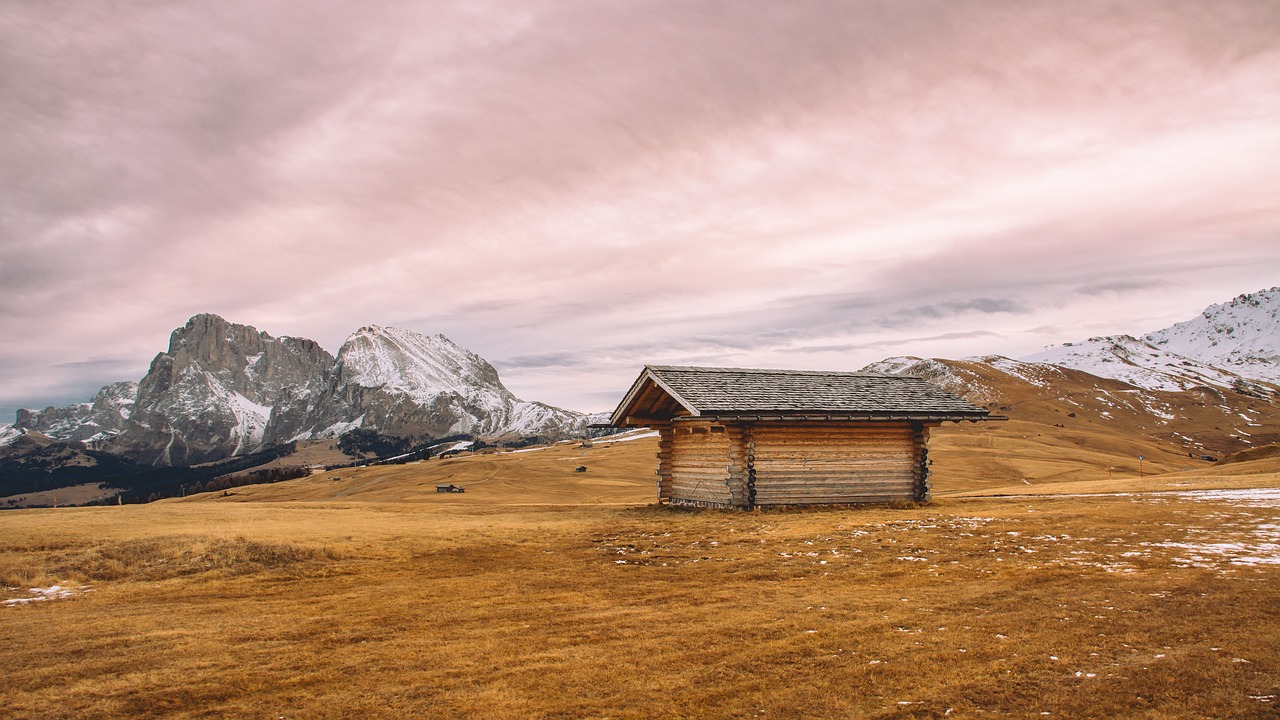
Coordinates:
1089 409
1067 424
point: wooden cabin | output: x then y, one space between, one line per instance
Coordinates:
737 438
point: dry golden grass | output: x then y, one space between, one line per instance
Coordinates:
617 472
1076 607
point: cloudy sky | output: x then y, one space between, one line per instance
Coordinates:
574 189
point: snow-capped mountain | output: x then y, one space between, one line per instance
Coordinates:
403 383
223 389
1242 336
1232 345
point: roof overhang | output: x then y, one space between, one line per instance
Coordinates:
756 416
629 411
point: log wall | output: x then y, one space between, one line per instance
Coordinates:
747 465
702 465
830 463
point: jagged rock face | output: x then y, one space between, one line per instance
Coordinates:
221 390
96 421
224 389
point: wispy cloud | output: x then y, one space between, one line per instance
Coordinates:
548 180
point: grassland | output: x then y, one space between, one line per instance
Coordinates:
543 592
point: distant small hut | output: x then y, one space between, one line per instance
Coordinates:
738 438
449 488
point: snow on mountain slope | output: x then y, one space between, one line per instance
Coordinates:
1229 346
98 420
405 383
411 364
1242 335
1137 362
9 434
948 377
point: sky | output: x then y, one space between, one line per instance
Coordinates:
575 189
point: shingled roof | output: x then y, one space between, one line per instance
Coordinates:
664 392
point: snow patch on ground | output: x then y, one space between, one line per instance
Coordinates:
1249 497
55 592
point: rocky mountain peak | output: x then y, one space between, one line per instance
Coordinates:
223 389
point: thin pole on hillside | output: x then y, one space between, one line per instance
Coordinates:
1139 466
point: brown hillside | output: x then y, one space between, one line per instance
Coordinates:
617 472
1065 425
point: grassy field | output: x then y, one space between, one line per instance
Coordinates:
543 592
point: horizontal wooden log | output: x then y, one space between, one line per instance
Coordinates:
686 494
771 490
762 497
771 440
851 492
836 500
833 447
699 471
772 430
830 474
875 485
688 479
699 488
832 469
894 454
833 487
719 465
